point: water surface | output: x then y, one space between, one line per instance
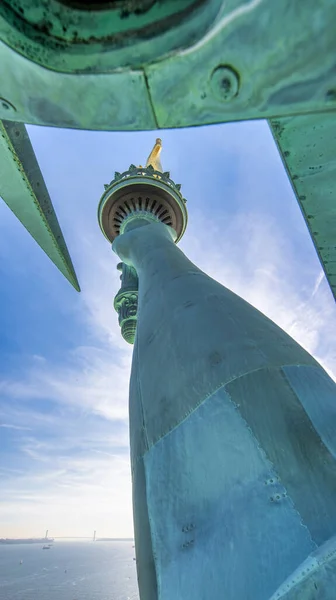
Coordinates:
68 571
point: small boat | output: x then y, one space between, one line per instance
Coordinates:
46 548
21 561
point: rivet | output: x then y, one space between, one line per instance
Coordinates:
7 105
224 83
331 95
188 527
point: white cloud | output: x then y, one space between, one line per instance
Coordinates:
76 473
69 497
251 256
17 427
76 457
85 462
91 380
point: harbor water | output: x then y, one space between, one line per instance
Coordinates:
68 571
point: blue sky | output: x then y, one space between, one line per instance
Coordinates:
64 455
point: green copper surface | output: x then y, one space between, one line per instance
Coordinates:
314 579
44 97
267 59
145 64
74 36
22 187
126 302
224 61
138 178
233 449
133 199
307 146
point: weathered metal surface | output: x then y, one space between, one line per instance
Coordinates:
314 579
126 302
232 441
118 101
254 59
74 36
307 145
22 187
141 193
269 47
143 64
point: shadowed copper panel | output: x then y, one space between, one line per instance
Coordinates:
307 145
23 189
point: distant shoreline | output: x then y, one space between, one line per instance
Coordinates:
114 540
10 541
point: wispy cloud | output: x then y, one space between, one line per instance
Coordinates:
69 496
70 419
251 256
89 380
79 457
67 467
17 427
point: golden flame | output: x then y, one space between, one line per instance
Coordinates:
154 157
